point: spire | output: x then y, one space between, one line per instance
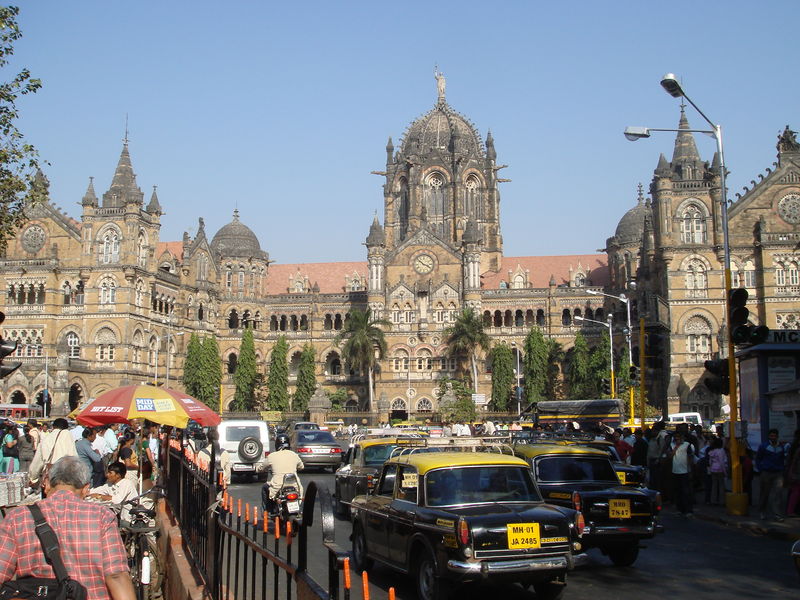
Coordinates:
685 149
491 154
641 194
123 187
662 170
155 206
715 163
90 198
376 236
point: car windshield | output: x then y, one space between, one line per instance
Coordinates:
315 437
575 468
476 485
378 454
236 433
298 426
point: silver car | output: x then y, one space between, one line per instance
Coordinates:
317 448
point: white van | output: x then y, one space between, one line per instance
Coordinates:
692 418
247 442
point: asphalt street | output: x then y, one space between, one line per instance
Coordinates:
693 558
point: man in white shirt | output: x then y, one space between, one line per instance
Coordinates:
110 436
117 489
54 445
682 454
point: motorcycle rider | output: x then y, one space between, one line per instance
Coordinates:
281 462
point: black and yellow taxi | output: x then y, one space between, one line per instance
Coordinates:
361 464
631 475
617 517
450 517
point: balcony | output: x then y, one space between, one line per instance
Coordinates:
25 309
787 290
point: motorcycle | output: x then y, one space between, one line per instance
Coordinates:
286 503
796 556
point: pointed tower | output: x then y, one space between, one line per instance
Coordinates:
154 207
376 253
123 188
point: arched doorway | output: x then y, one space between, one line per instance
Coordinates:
18 397
399 410
75 396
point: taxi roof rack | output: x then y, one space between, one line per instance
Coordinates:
453 444
535 437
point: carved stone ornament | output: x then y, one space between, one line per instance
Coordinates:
787 142
410 393
789 208
33 239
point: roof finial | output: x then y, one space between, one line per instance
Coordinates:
125 139
236 214
641 193
440 83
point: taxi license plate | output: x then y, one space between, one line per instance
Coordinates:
522 536
619 509
293 506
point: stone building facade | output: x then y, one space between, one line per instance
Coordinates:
101 301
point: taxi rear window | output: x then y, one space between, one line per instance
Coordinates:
476 485
575 468
378 454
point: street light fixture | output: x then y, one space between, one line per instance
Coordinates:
737 500
519 389
610 325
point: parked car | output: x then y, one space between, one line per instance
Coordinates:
632 475
303 425
317 448
248 443
455 517
617 517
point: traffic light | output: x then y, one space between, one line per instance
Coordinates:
6 348
654 350
743 332
633 375
719 381
606 386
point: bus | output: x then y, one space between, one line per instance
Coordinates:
20 412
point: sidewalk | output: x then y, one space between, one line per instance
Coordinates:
788 530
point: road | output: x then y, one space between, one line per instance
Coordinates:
693 558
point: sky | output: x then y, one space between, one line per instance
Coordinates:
282 109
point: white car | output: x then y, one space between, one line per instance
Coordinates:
247 442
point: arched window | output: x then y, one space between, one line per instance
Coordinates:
566 317
138 345
424 405
434 201
110 247
106 341
200 312
327 323
138 296
141 248
233 362
698 337
399 404
424 360
294 364
693 225
541 320
580 280
240 279
333 364
108 291
400 360
73 345
696 280
473 199
411 315
233 319
518 282
228 278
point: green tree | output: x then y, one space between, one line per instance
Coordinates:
599 366
192 368
502 375
364 345
21 183
578 376
535 365
246 374
211 374
465 337
338 398
459 409
555 365
306 379
622 373
278 380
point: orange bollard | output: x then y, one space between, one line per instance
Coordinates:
255 516
239 507
247 512
277 527
289 533
347 573
224 500
391 593
365 585
265 522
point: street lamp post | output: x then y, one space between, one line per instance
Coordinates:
627 301
610 326
519 390
737 500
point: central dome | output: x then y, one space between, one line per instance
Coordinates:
236 240
442 128
631 225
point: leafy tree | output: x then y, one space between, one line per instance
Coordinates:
338 398
363 339
211 373
192 368
306 379
622 374
461 408
246 373
278 380
555 362
535 365
599 366
502 375
21 182
578 376
465 337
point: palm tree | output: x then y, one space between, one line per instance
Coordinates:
465 337
363 335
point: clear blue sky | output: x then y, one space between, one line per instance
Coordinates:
284 108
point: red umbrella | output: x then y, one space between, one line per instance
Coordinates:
157 404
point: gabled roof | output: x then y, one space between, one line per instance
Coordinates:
540 268
174 248
329 276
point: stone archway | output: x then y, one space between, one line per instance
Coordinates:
398 410
18 397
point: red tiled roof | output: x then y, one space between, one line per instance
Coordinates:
540 268
174 248
329 276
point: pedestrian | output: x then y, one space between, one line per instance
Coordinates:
640 447
26 446
656 449
623 448
682 454
770 463
117 489
36 433
793 477
88 537
91 457
52 447
127 456
10 461
717 468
